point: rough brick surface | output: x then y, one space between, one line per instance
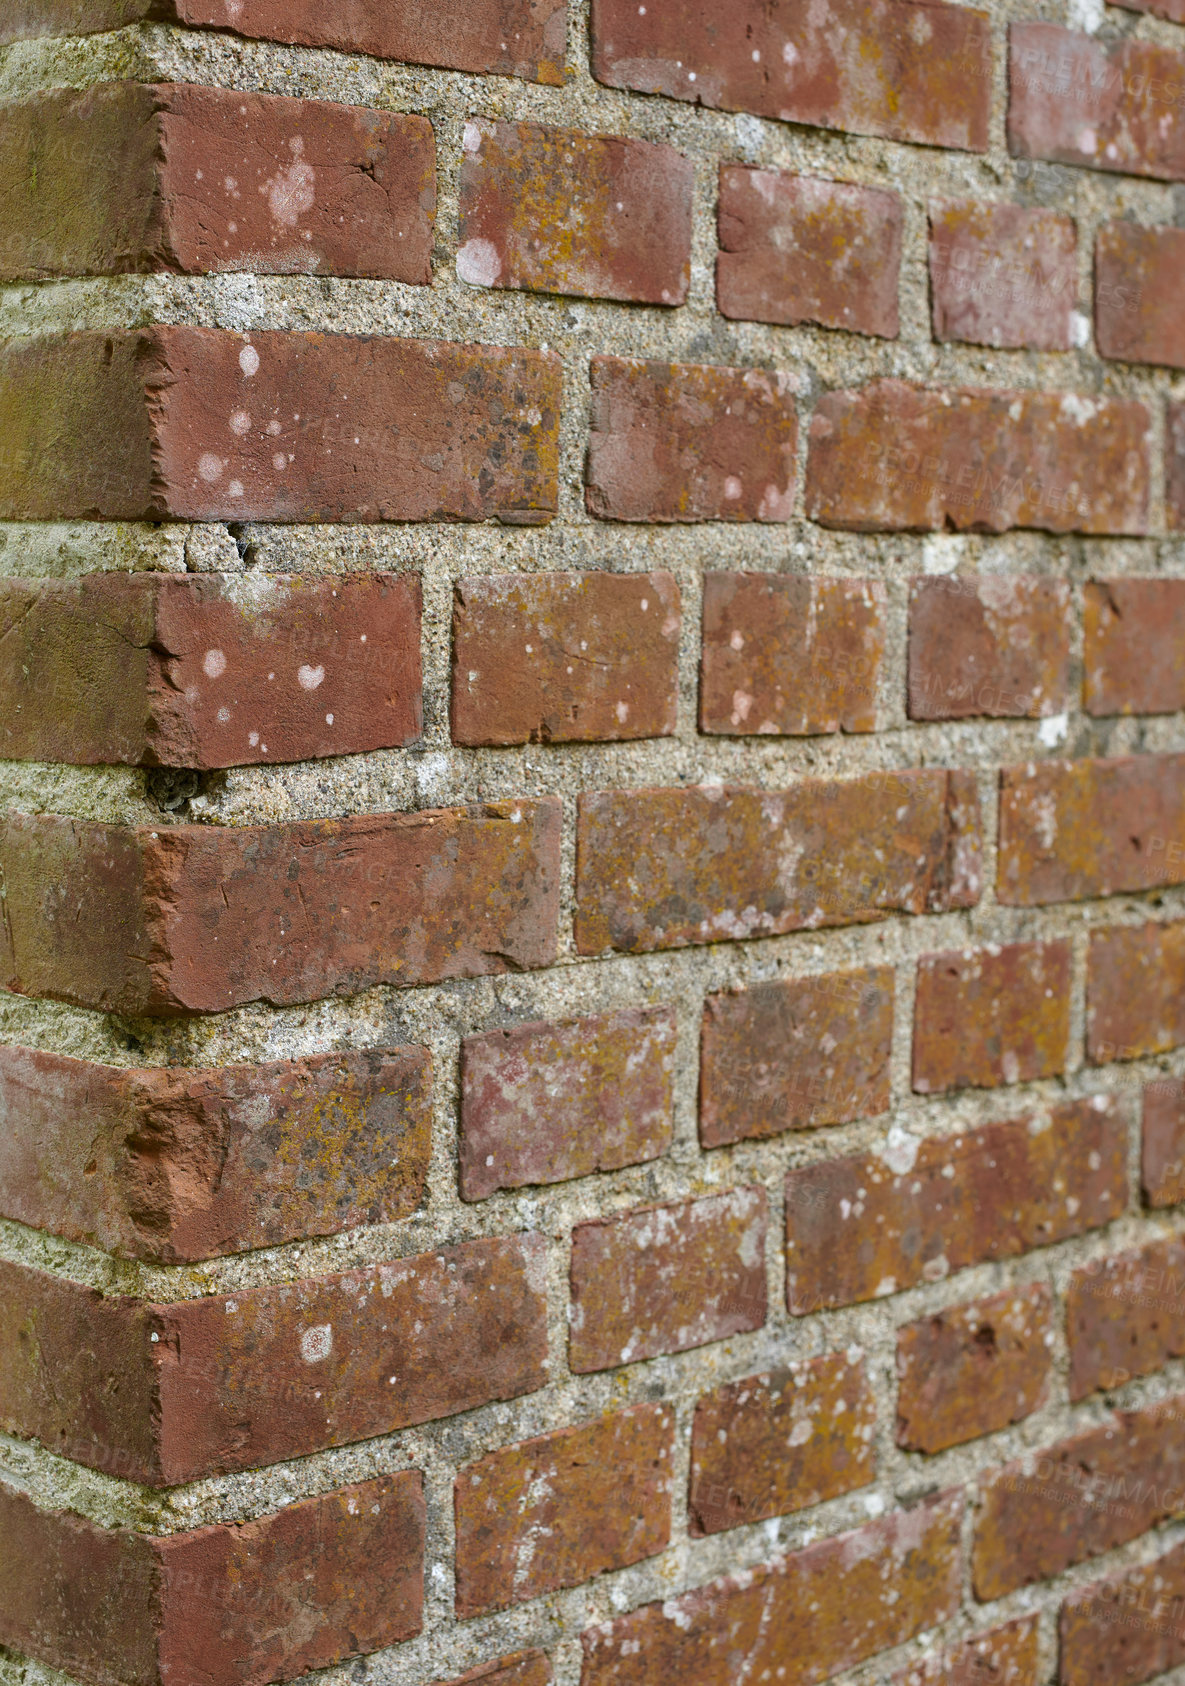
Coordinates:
545 1102
986 1016
1003 1656
1134 646
1127 1628
795 1055
1135 992
989 644
1137 286
525 1668
565 658
1125 1316
787 654
793 249
866 1226
690 442
1003 275
1163 1157
1174 466
557 1510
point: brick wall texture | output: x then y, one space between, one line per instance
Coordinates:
592 842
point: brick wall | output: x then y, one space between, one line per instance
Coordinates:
592 843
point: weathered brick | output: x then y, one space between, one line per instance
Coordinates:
198 424
1174 466
229 1605
163 1394
795 1054
199 918
989 644
595 216
973 1369
793 249
690 442
664 868
1003 275
525 1668
565 658
870 1225
667 1278
1127 1628
790 654
1125 1316
1074 829
1135 992
895 457
208 670
541 1103
541 1516
802 1617
179 1165
1134 646
986 1016
874 67
127 177
781 1441
1003 1656
1137 274
1163 1157
1106 105
1079 1498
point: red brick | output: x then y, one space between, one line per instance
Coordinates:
1125 1316
1135 992
545 1102
229 1605
1127 1628
164 1394
870 1225
180 1165
973 1369
208 670
989 644
986 1016
1163 1158
1003 1656
802 1617
666 1278
664 868
690 442
779 1442
1173 10
786 654
1079 1498
1137 289
565 658
846 246
541 1516
1003 275
1134 646
595 216
200 425
126 177
1106 105
1075 829
525 1668
795 1054
1174 467
199 918
868 66
893 457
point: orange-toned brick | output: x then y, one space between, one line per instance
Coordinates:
1134 646
1126 1628
1003 1656
1163 1156
1003 275
993 644
986 1016
1135 992
1125 1316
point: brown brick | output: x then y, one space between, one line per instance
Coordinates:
541 1103
565 658
973 1369
1163 1158
986 1016
846 246
127 177
180 1165
1075 829
1125 1316
199 918
200 425
786 654
1003 275
1173 10
595 216
1127 1628
690 442
1003 1656
1135 992
1137 275
664 868
541 1516
667 1278
989 644
870 1225
782 1441
870 69
228 1605
525 1668
163 1394
894 457
803 1617
1079 1498
795 1054
1106 105
1134 646
208 670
